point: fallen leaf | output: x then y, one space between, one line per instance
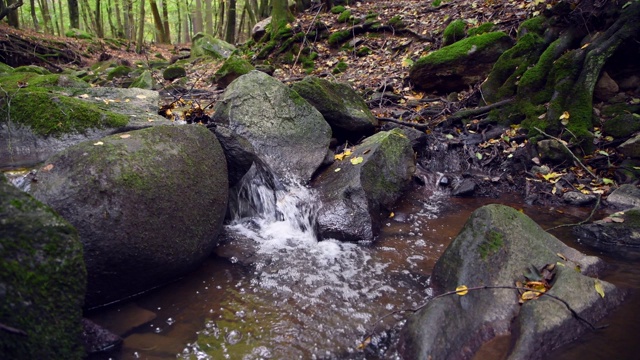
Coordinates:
462 290
564 118
48 167
337 169
357 160
83 96
562 256
617 219
141 96
98 143
599 288
125 136
392 214
529 295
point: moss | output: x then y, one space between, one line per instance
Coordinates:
338 9
4 68
266 49
338 37
461 48
453 32
534 25
344 16
396 22
494 241
174 72
482 29
340 67
32 69
118 72
363 51
52 115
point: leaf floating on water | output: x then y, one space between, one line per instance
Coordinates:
599 288
357 160
462 290
125 136
98 143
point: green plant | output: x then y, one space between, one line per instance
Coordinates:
340 67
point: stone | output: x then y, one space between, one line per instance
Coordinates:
206 45
459 65
148 205
144 81
605 88
238 152
626 196
552 150
97 339
496 247
631 147
623 125
234 67
346 112
620 239
78 34
576 198
42 280
288 134
260 28
466 187
356 197
174 72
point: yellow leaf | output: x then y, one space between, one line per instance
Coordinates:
551 175
337 169
357 160
339 156
124 136
585 46
392 214
599 288
98 143
528 295
561 264
462 290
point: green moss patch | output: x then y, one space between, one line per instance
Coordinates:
453 32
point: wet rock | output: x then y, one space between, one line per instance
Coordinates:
418 138
495 248
207 45
355 197
97 339
552 150
238 152
631 147
466 187
618 236
45 122
605 88
626 196
459 65
42 280
346 112
148 205
287 133
576 198
123 319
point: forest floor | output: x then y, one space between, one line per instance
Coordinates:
384 70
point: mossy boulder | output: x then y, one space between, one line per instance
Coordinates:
234 67
622 125
620 238
287 132
174 72
346 112
4 68
631 147
42 280
207 45
482 29
78 34
46 116
455 31
32 69
126 196
460 65
118 72
358 191
496 247
144 81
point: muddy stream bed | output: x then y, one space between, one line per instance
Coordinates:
304 299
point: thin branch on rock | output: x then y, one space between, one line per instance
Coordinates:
570 152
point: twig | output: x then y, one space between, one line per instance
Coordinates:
593 211
448 293
12 330
305 39
570 152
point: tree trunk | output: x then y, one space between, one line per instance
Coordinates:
186 37
221 15
263 11
280 17
230 34
60 17
179 23
46 17
140 40
34 17
10 11
157 21
165 21
120 33
74 14
99 28
208 17
129 24
197 17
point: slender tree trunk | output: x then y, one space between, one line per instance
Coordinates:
34 17
221 17
165 21
208 17
130 23
119 27
264 9
46 17
157 21
98 16
186 33
10 11
112 26
230 34
140 39
196 15
179 22
74 14
61 17
280 16
54 18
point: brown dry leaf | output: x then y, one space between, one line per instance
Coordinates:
47 167
125 136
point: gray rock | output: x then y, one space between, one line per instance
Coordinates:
287 133
238 151
552 150
97 339
621 239
495 248
234 67
207 45
626 196
144 81
260 28
174 72
148 205
459 65
346 112
42 280
27 146
357 196
466 187
622 125
606 87
576 198
631 147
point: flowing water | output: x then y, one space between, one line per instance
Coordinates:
290 296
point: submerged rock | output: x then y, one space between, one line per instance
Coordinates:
287 133
357 192
617 235
148 205
497 247
42 280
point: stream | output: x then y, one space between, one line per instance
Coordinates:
294 297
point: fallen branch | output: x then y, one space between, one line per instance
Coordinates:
463 114
12 330
570 152
455 292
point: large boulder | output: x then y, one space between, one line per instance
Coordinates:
357 192
42 280
288 134
148 205
617 235
234 67
48 113
207 45
346 112
461 64
497 247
